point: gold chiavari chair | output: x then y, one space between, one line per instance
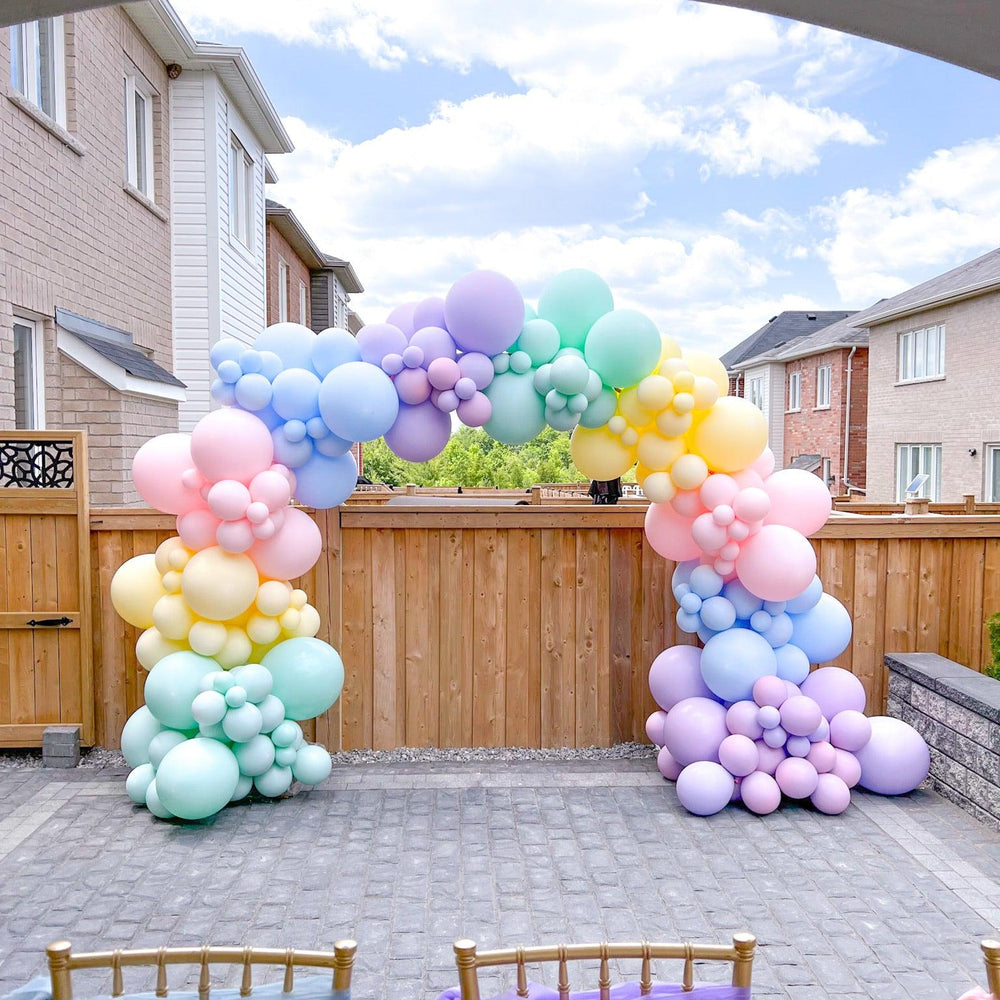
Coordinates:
991 956
469 961
63 962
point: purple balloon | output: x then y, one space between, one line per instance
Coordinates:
669 767
821 732
770 757
654 727
760 793
478 367
392 364
412 386
484 312
768 717
895 760
676 675
741 720
434 342
444 373
769 690
413 356
739 755
419 433
822 756
705 788
850 730
376 340
694 729
796 777
465 388
429 312
775 737
832 796
847 768
797 746
475 412
446 401
800 715
835 690
402 317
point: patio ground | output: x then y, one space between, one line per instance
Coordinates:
888 901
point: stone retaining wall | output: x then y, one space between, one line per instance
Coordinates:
957 711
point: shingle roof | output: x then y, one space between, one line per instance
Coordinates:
781 329
808 463
843 333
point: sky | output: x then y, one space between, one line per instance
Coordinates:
714 166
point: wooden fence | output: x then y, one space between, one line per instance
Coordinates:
536 625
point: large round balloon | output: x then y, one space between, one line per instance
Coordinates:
895 760
140 729
776 564
732 661
358 401
157 471
518 411
197 778
231 444
573 301
835 690
173 684
824 631
308 676
694 729
292 342
623 347
704 788
484 312
322 483
799 500
419 433
293 549
670 533
676 675
731 436
598 453
219 585
135 588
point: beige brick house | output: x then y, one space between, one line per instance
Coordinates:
933 405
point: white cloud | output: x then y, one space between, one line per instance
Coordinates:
944 212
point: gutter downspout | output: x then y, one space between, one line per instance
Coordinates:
847 417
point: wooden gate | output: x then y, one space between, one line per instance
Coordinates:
45 607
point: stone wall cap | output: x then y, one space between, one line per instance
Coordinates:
979 693
926 667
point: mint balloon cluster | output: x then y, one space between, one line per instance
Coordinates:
207 736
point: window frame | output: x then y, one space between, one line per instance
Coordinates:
303 303
25 37
826 472
914 356
242 171
757 392
136 84
282 291
795 379
991 492
822 370
36 362
931 490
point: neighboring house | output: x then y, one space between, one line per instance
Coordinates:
758 376
933 406
85 301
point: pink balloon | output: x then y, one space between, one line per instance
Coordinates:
197 529
850 731
272 487
769 691
760 793
687 503
835 690
654 727
412 386
748 478
694 729
847 768
751 504
718 489
257 512
832 796
710 536
669 767
228 500
777 563
676 675
739 755
770 757
443 373
290 551
822 756
234 536
799 500
800 715
158 471
265 529
764 465
670 534
741 719
474 412
796 777
231 444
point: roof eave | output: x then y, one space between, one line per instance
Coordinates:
286 222
931 302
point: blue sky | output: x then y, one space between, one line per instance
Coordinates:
714 165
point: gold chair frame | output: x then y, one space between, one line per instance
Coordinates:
62 963
740 954
991 956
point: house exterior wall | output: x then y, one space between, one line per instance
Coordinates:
959 411
773 376
278 248
72 236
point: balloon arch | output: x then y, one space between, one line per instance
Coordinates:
230 649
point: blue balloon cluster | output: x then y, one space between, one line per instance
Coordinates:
747 638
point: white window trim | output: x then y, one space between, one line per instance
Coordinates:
37 369
761 382
909 336
245 200
933 484
829 386
303 304
991 489
30 68
282 291
796 379
135 83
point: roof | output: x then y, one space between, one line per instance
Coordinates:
808 463
778 331
840 335
963 282
285 221
173 43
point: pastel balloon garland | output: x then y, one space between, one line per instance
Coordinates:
230 645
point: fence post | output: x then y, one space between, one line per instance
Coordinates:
970 502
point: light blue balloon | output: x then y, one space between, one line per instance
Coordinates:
718 614
334 347
688 622
292 342
243 788
270 365
251 361
308 676
138 781
733 661
140 728
172 685
253 392
332 446
793 664
779 631
161 744
822 633
274 781
705 633
809 598
326 482
268 417
682 575
775 607
746 604
230 372
518 411
223 392
561 420
691 603
197 778
705 582
316 429
573 301
295 394
153 803
255 680
312 764
358 401
570 374
255 756
225 350
291 453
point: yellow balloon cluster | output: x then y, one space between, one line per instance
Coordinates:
676 426
212 601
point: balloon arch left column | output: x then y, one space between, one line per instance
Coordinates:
230 646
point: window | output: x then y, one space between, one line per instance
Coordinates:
38 65
282 292
913 460
29 398
303 308
827 472
755 393
139 134
795 391
823 387
921 354
241 193
993 473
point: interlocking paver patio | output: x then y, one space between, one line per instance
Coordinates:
887 901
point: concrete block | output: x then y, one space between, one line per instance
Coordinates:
61 746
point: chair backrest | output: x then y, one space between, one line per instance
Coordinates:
62 962
469 961
991 955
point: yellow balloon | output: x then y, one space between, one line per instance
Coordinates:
673 366
732 435
598 454
166 550
705 392
710 367
263 630
173 617
135 588
668 348
689 472
309 622
659 487
172 581
672 424
632 410
683 381
258 652
152 646
290 620
237 649
207 638
299 599
274 598
655 392
658 453
220 585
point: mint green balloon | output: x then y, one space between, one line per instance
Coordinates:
243 788
539 340
274 781
623 347
255 756
312 764
600 410
518 411
141 727
308 676
153 803
173 684
162 743
138 781
574 301
197 778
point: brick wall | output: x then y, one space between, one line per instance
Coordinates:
73 237
278 248
960 411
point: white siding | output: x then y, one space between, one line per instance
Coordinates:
773 377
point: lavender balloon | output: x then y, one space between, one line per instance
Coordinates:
694 729
704 788
428 312
478 367
402 317
376 340
476 411
760 793
668 767
484 312
739 755
895 760
676 675
419 433
850 730
832 796
834 690
434 342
